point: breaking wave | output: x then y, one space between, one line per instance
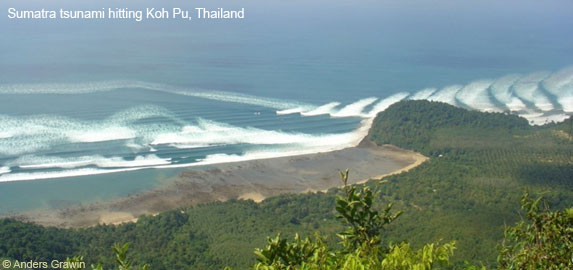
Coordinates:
324 109
28 134
423 94
26 176
446 95
207 133
44 162
385 103
30 144
560 84
355 109
291 111
320 143
528 89
93 87
524 94
476 96
294 144
540 97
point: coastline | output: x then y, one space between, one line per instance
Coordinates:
244 180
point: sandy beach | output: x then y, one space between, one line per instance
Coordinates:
250 180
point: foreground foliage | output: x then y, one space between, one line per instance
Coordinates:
543 241
360 241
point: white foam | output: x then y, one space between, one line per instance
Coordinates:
59 174
229 158
5 134
423 94
319 143
324 143
104 86
516 104
101 135
560 84
46 162
133 114
208 133
26 144
134 146
291 111
4 170
244 99
537 118
324 109
566 103
64 88
385 103
501 91
32 134
475 95
190 146
355 109
27 134
556 118
527 88
139 161
446 95
513 92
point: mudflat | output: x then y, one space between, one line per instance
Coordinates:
248 180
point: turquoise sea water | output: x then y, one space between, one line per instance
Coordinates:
93 110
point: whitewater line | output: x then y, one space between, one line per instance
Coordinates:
352 140
528 96
107 86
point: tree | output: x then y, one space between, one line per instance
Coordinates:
543 241
361 247
121 259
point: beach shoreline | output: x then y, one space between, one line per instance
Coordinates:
253 180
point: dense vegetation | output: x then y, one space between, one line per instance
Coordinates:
481 163
361 245
543 241
422 126
467 192
209 236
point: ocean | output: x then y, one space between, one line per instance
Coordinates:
95 110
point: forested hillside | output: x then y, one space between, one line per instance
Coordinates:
470 188
481 162
417 124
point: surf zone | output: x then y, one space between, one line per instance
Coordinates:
220 13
